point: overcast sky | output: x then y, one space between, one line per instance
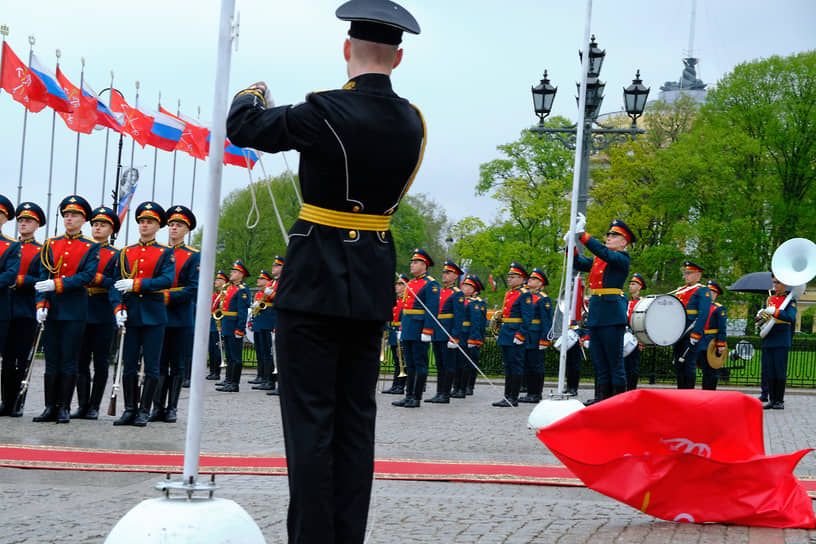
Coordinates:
470 72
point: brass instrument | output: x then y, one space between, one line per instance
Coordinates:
496 321
384 346
259 308
218 315
714 360
402 372
794 263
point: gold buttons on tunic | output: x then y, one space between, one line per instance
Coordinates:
356 208
352 234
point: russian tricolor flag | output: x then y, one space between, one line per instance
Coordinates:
54 96
104 116
165 132
238 156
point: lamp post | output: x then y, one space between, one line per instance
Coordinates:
597 136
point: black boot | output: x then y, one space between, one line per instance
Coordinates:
148 392
188 371
710 382
227 375
215 370
471 383
771 394
459 378
83 389
506 401
97 392
263 384
631 382
176 384
779 402
67 383
10 386
273 382
259 374
409 391
17 400
233 378
618 388
441 377
419 387
130 392
50 385
159 402
598 395
535 384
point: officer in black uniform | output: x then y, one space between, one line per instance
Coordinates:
360 148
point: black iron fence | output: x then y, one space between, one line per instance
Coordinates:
657 366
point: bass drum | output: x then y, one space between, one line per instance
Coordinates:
572 338
630 343
658 320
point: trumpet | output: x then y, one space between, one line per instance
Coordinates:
259 308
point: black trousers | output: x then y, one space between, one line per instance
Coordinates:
63 341
327 371
96 345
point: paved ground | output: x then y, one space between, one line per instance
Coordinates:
41 506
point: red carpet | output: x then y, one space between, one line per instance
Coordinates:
65 458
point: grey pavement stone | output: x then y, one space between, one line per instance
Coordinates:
44 506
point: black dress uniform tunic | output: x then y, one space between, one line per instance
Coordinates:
360 148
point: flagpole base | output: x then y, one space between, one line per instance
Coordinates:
185 520
548 411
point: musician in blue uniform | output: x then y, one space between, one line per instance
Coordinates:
631 363
697 300
448 333
22 326
714 331
777 343
476 316
420 307
71 261
214 346
99 330
177 347
270 293
233 327
537 343
517 317
360 148
394 326
263 323
146 270
607 313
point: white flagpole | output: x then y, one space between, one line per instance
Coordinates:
576 179
76 159
175 152
31 41
192 447
155 159
132 149
51 159
105 160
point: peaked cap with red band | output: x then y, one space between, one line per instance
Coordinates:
451 266
617 226
31 210
422 255
151 210
103 213
183 214
75 203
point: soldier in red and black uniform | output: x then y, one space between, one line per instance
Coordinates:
101 323
418 312
71 261
537 342
715 331
177 348
263 324
517 317
233 326
146 270
398 385
631 363
777 343
448 332
9 267
475 322
214 347
23 324
697 300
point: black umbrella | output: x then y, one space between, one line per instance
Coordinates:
755 282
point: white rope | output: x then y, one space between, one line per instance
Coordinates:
277 213
291 178
254 207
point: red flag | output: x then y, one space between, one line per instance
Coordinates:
193 139
83 118
694 456
491 281
20 82
135 123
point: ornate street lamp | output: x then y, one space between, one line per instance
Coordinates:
543 96
634 98
596 58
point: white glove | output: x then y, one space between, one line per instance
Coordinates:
580 224
262 86
566 239
238 336
452 344
770 310
399 335
121 318
586 344
426 338
249 313
518 342
273 337
254 306
541 347
268 291
124 286
42 315
45 286
693 341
